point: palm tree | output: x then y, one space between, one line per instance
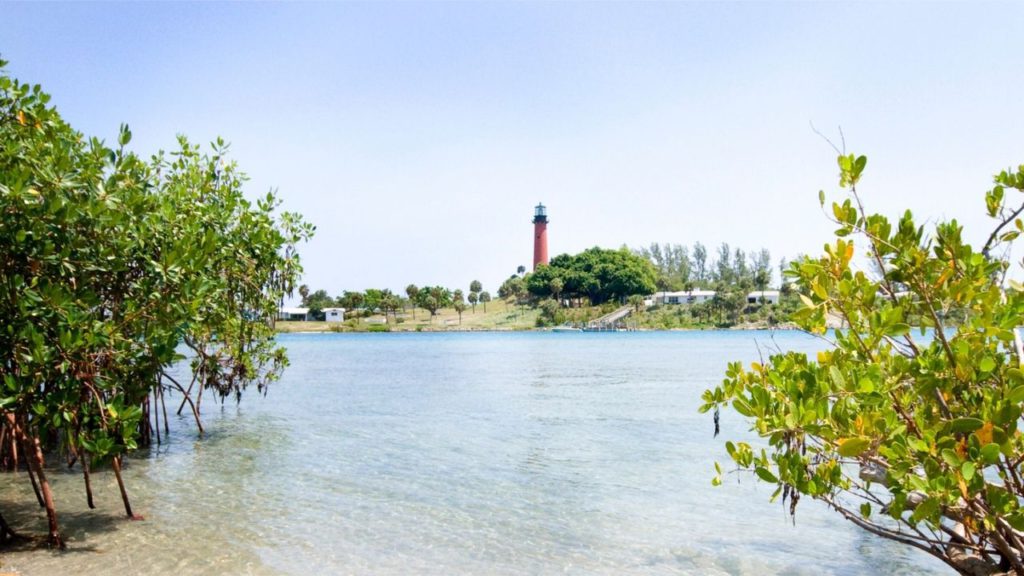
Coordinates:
412 291
556 286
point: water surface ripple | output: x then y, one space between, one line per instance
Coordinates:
528 453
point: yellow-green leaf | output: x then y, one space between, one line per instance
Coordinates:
766 475
837 377
990 453
966 424
987 364
851 447
968 470
1017 394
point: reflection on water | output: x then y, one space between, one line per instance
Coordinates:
459 454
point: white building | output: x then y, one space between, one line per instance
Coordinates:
293 313
765 296
684 297
334 314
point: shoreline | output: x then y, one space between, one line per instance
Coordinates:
511 318
788 326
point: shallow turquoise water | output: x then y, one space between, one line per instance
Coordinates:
522 453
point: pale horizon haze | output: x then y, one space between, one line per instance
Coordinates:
418 137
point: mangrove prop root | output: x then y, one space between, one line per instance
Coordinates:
4 458
34 455
7 535
32 478
156 415
163 404
12 456
88 480
124 492
187 394
188 400
145 425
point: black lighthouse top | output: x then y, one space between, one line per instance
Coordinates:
540 214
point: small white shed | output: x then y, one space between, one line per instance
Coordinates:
334 314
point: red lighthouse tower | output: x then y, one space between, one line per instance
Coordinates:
540 235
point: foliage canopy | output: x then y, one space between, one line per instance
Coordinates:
908 424
596 273
107 264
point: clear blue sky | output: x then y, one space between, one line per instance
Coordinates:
418 137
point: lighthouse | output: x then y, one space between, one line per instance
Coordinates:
540 235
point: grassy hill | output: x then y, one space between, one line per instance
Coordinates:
499 316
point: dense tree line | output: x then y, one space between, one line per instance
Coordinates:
374 300
108 263
730 272
683 268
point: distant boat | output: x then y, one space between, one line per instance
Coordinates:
566 329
